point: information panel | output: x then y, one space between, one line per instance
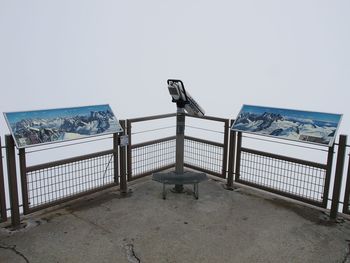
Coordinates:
31 128
297 125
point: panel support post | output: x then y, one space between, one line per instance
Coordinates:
238 156
3 215
225 149
123 175
129 150
12 180
115 158
24 184
338 176
328 175
231 160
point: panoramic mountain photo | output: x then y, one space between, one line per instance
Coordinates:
307 126
46 126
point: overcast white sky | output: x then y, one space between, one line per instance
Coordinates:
290 54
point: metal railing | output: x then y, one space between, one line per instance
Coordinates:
3 211
157 155
152 156
56 182
302 180
208 156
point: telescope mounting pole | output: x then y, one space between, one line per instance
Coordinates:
180 143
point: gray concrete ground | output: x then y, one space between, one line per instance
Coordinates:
222 226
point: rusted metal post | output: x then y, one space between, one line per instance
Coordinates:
238 156
347 191
3 212
123 176
231 162
225 150
338 176
129 151
24 184
328 175
12 180
115 158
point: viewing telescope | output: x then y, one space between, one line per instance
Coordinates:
183 99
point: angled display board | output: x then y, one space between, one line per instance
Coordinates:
31 128
305 126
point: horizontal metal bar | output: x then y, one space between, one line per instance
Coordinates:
203 170
68 160
292 196
285 143
143 144
285 158
210 118
134 177
154 117
70 198
204 141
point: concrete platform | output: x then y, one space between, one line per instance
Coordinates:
222 226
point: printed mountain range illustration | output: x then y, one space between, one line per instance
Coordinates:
38 128
290 124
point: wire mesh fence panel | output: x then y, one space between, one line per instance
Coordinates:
57 183
3 211
304 181
153 156
204 155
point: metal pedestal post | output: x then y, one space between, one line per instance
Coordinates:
180 141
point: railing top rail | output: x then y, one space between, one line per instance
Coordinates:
138 145
284 143
67 161
154 117
62 145
285 158
204 141
211 118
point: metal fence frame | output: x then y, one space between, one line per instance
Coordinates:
25 170
130 146
3 211
123 168
224 145
235 167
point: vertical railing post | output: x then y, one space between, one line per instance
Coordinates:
24 184
231 160
328 175
123 176
129 151
238 156
347 191
3 212
225 150
12 180
338 176
115 158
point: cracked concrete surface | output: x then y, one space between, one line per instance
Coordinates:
130 253
222 226
13 250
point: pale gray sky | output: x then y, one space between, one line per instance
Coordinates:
290 54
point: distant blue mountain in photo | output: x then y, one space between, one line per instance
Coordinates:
47 126
313 127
